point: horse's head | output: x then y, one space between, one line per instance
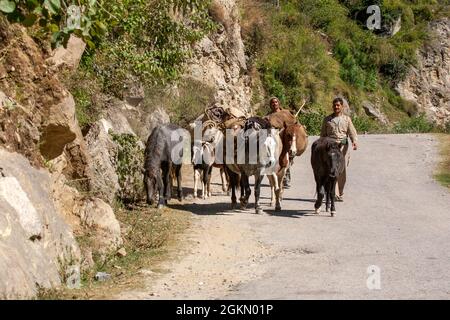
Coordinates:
295 140
152 182
271 147
212 134
335 158
203 151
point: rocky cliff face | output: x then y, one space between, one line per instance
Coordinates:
428 84
43 155
220 59
37 247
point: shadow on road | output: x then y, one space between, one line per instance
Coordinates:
204 209
291 213
293 199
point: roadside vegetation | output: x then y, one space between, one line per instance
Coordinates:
443 171
149 235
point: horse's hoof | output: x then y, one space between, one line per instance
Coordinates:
278 208
258 211
180 199
317 211
333 213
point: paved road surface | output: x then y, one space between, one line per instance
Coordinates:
395 217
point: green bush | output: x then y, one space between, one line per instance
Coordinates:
364 124
312 121
418 124
129 164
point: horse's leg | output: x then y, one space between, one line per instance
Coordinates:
202 179
209 181
272 189
205 182
279 192
223 180
179 182
320 194
233 182
328 195
161 185
258 180
147 190
196 180
248 190
332 198
245 193
167 182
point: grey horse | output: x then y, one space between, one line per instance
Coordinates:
165 152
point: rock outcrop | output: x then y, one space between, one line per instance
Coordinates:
220 59
37 246
44 164
103 153
428 84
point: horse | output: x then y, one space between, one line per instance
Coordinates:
204 159
327 161
295 141
164 152
257 132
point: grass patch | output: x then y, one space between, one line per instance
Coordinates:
443 172
418 124
148 235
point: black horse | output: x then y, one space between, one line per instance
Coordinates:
164 153
328 162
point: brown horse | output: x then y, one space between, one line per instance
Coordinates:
295 140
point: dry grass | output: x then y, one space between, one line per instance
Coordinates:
443 172
149 235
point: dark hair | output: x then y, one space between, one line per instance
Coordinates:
340 100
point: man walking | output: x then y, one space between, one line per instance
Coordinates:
283 119
339 126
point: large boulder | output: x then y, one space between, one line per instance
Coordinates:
88 216
37 247
374 112
70 55
103 152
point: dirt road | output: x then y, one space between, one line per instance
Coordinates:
394 223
